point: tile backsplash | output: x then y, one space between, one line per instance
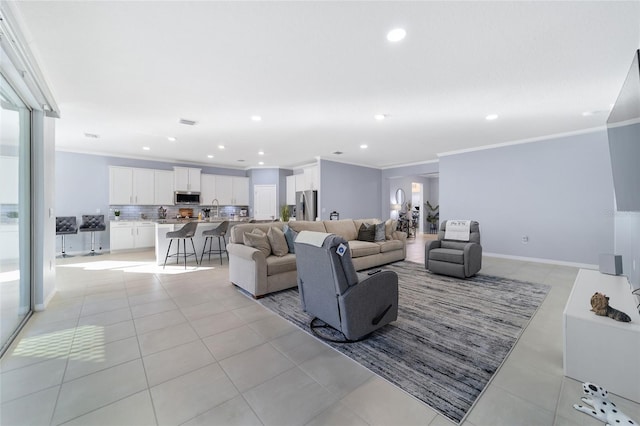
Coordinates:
151 212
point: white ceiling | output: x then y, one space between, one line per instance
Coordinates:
317 72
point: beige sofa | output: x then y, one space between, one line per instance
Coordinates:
258 274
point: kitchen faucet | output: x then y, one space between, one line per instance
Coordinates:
217 204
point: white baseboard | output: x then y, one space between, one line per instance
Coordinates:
39 307
547 261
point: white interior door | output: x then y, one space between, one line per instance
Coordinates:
265 204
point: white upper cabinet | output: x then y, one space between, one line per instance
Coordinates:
120 185
291 190
187 179
207 189
311 178
301 183
240 191
143 186
131 186
230 191
224 190
163 195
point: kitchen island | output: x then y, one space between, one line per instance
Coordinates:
168 225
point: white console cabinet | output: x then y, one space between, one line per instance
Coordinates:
599 349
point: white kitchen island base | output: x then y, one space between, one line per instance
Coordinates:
162 242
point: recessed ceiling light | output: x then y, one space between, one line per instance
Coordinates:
146 148
260 152
261 163
209 156
364 146
256 118
171 138
220 146
380 117
491 117
91 136
396 34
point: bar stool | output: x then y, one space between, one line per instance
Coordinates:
66 225
93 223
187 231
220 231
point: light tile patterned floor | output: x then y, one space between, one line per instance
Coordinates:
127 343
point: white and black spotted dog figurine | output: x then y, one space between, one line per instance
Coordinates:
600 406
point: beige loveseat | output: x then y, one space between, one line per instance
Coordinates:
258 274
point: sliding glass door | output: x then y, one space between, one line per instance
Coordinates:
15 213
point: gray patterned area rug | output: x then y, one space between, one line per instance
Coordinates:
450 338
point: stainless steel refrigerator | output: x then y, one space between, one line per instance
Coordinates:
306 205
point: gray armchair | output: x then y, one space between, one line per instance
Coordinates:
335 294
460 259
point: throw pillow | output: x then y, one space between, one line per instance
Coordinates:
278 242
290 235
367 232
258 241
390 227
380 234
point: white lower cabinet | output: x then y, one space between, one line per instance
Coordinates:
127 235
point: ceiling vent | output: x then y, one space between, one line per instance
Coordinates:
187 122
91 135
337 153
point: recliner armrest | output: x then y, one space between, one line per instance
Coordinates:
366 301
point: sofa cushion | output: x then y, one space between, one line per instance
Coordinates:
259 240
277 241
359 222
367 233
380 232
454 245
307 225
236 232
389 227
290 235
345 228
390 245
277 265
363 248
447 255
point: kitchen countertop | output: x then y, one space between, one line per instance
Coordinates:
210 220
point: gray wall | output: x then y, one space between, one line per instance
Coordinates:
353 191
82 187
628 245
558 192
402 177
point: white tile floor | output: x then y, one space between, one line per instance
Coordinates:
126 343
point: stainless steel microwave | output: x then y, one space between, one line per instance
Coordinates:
186 197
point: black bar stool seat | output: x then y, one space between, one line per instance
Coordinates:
220 231
187 231
66 225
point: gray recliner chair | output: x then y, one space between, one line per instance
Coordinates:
456 258
336 295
